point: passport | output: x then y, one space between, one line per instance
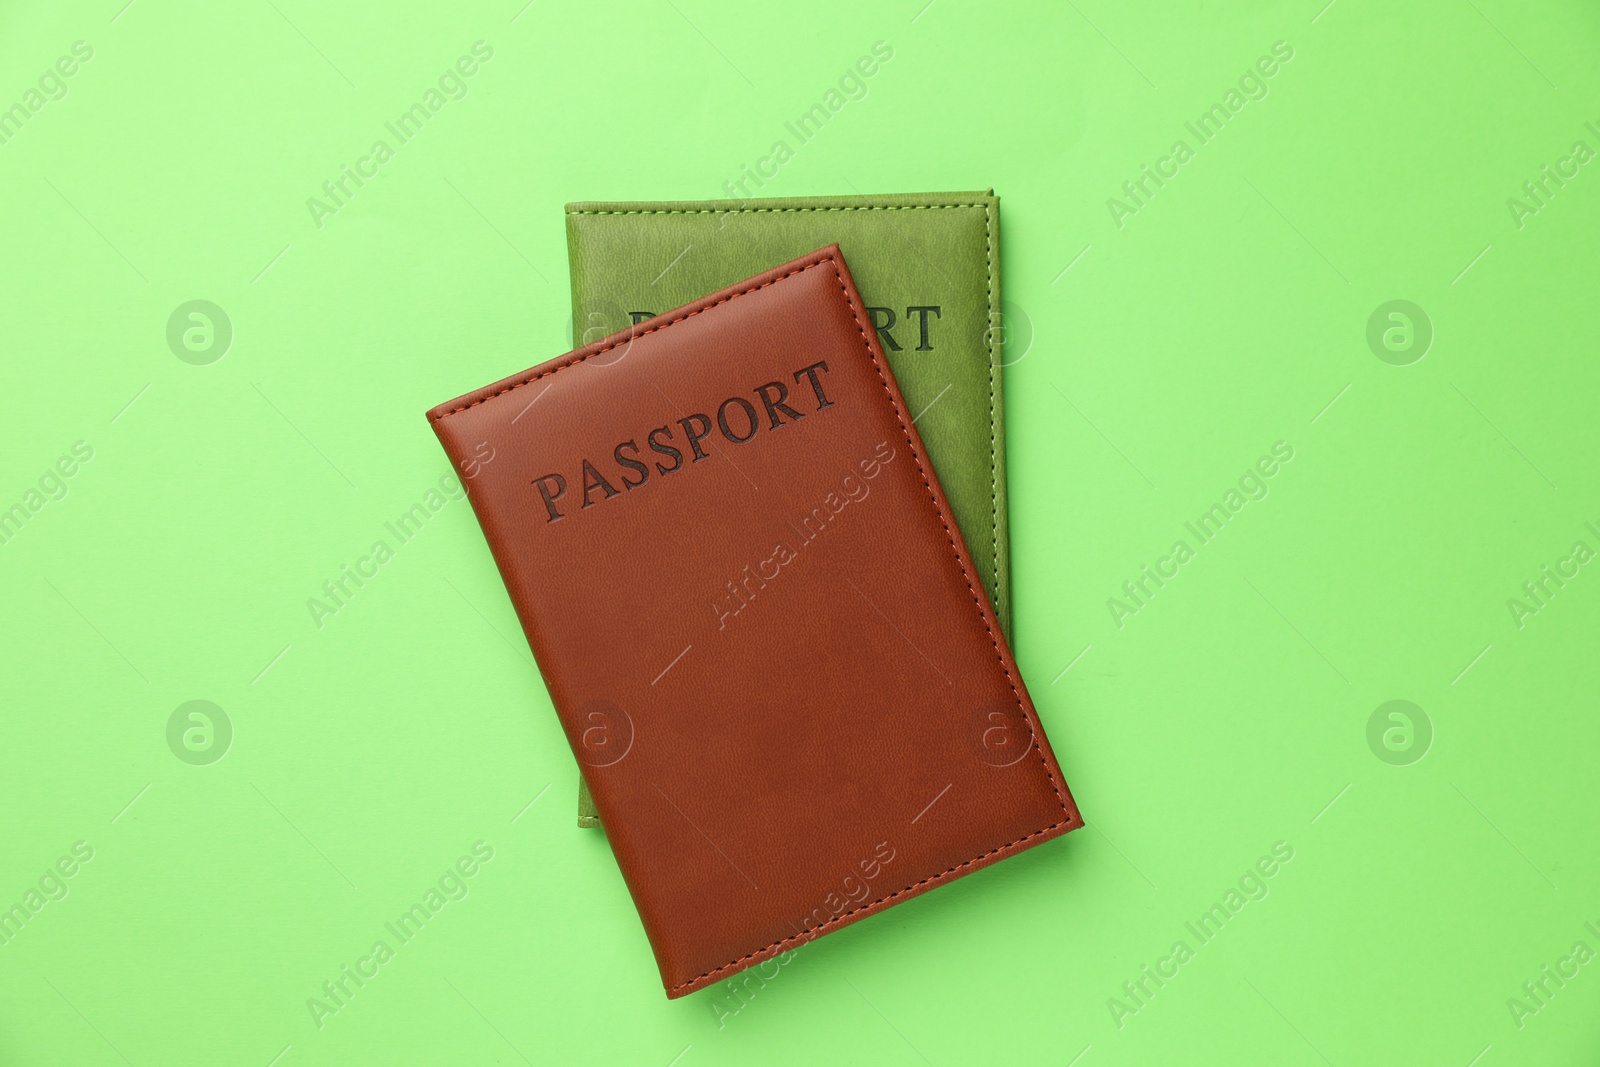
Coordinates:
929 269
768 644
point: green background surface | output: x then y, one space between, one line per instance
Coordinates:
1155 357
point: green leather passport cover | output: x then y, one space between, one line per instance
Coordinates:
928 268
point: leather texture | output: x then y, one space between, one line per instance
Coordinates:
772 653
929 270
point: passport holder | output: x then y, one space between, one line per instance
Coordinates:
767 643
929 270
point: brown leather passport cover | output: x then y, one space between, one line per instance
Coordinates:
765 639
